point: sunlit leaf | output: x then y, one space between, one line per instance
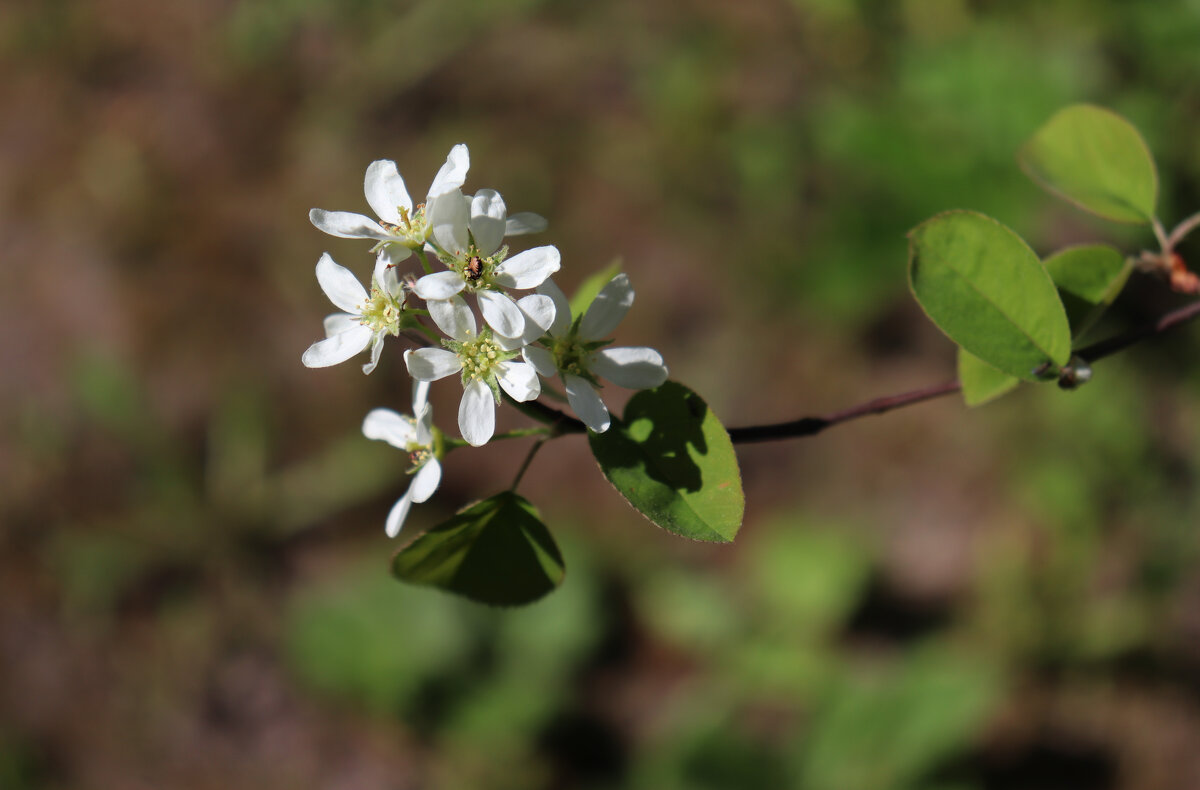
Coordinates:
983 286
1097 160
495 552
980 381
673 460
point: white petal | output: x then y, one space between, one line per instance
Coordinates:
376 352
519 379
338 348
539 311
509 343
528 269
431 364
502 314
541 359
487 220
453 173
347 225
441 285
399 511
420 400
389 426
386 191
607 309
562 307
426 481
387 278
389 255
336 323
449 216
524 222
477 413
585 402
635 367
425 423
340 285
453 317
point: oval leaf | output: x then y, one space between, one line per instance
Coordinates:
980 381
495 552
1089 278
983 286
1097 160
673 460
1093 272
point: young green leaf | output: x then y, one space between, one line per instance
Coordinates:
1095 159
496 552
1089 278
673 460
591 286
980 381
1093 272
983 286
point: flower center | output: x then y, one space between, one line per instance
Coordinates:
571 355
475 268
480 355
417 456
413 229
381 312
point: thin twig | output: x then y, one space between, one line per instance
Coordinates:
809 426
1161 235
1182 230
1112 345
524 433
528 459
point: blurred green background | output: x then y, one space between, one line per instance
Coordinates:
193 567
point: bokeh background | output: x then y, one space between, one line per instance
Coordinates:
194 587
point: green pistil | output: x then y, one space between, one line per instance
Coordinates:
479 356
571 355
382 313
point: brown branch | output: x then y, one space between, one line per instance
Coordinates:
1112 345
810 426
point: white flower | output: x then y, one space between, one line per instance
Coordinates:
400 228
486 362
467 234
576 349
415 436
367 320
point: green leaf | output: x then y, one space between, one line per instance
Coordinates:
1095 159
983 286
588 289
495 552
1087 276
674 462
1093 272
980 381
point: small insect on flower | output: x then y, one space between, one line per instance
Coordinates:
474 268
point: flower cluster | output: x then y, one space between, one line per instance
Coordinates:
522 338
